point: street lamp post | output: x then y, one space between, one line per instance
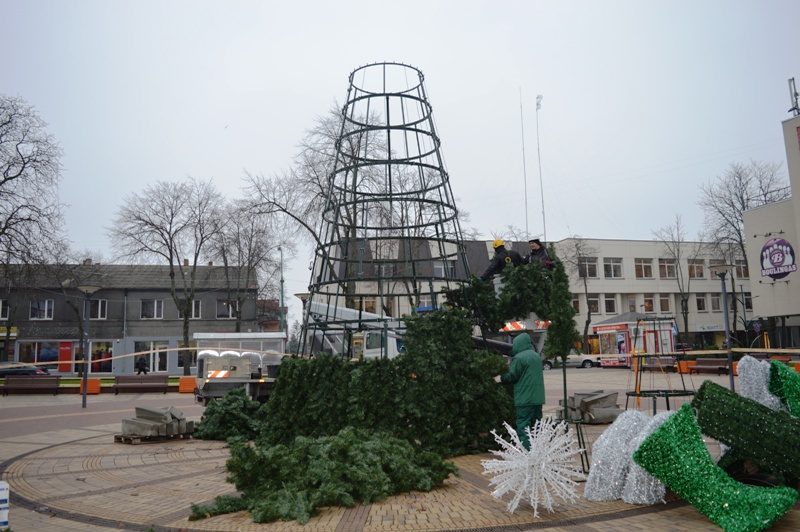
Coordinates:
87 290
721 271
280 310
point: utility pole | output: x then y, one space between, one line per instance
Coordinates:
539 154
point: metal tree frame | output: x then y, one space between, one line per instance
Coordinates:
390 237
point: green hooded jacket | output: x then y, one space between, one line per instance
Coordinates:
525 373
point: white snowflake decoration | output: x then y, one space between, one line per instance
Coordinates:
546 471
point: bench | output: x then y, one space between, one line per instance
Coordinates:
141 383
710 365
659 363
44 383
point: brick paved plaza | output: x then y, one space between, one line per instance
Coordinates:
66 473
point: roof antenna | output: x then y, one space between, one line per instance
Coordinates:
795 109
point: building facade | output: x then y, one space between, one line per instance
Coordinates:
130 313
625 278
772 233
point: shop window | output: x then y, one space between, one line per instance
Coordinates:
42 353
101 357
648 303
631 303
190 355
41 309
155 353
643 268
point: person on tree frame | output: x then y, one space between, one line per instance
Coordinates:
538 254
502 258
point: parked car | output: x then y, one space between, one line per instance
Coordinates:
574 360
15 368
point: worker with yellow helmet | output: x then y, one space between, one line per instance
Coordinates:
502 257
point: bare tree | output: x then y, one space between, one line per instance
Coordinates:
741 187
677 250
573 256
30 170
248 248
174 223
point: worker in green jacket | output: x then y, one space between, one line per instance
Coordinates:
526 375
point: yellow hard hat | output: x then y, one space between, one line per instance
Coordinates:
498 243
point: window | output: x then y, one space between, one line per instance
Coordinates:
443 268
666 268
748 301
196 310
742 272
152 309
155 353
387 271
644 268
701 302
612 268
610 301
97 309
696 269
227 309
587 267
39 352
715 303
648 303
425 300
4 309
576 303
663 302
593 303
41 309
631 303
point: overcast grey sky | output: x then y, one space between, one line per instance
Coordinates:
643 100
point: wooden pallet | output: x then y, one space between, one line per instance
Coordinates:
136 440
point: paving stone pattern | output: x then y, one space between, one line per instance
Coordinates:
72 477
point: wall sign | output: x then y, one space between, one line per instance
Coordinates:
777 259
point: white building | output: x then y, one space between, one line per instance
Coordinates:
772 236
644 278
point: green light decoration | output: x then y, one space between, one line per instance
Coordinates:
753 431
785 383
676 455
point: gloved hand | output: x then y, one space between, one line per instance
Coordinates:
497 378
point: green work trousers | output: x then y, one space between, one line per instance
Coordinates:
527 415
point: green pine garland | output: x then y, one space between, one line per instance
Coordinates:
293 481
233 415
676 455
752 430
784 382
